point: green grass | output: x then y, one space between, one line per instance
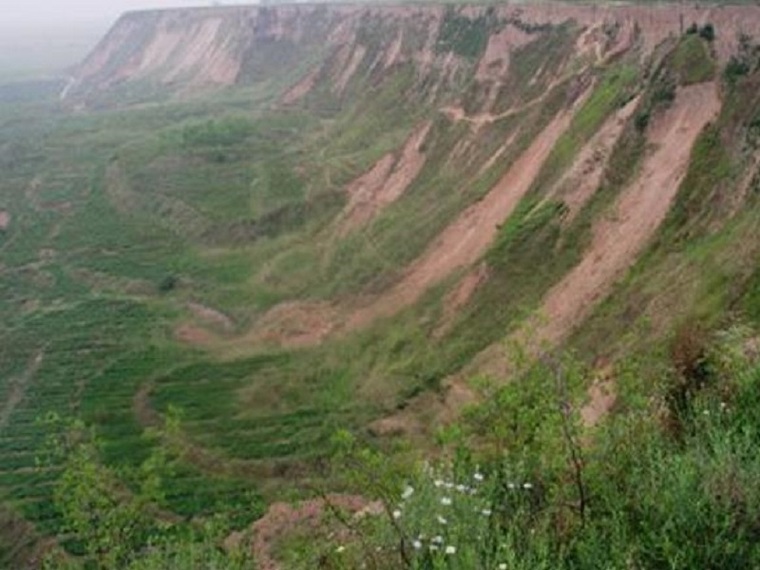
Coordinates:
615 89
692 60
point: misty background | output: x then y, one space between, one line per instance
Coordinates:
41 38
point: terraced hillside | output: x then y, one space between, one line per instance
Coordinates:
279 222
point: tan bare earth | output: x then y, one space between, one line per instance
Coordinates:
601 396
636 215
211 316
190 334
206 47
458 297
5 219
300 89
495 60
463 242
384 183
293 324
349 70
581 181
468 237
617 241
282 519
622 234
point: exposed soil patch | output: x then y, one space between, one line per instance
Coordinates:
300 89
602 397
293 325
348 72
467 238
307 517
620 236
193 335
426 412
618 239
495 61
5 220
393 54
384 183
211 316
583 178
459 296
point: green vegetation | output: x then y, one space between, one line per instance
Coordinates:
692 61
463 35
616 88
146 245
668 480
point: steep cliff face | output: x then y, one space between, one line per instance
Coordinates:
181 50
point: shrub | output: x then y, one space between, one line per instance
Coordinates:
168 283
707 32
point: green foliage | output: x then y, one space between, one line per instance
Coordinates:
168 283
707 32
709 169
636 496
692 61
224 132
615 89
464 36
113 518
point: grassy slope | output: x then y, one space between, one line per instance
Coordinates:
200 197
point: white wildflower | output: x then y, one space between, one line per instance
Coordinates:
446 501
433 547
396 514
437 539
486 512
503 566
438 483
417 544
462 488
478 476
527 486
408 492
442 520
340 549
451 549
511 486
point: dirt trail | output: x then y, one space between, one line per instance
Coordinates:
478 120
468 237
17 390
5 220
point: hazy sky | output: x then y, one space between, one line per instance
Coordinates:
28 14
49 35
